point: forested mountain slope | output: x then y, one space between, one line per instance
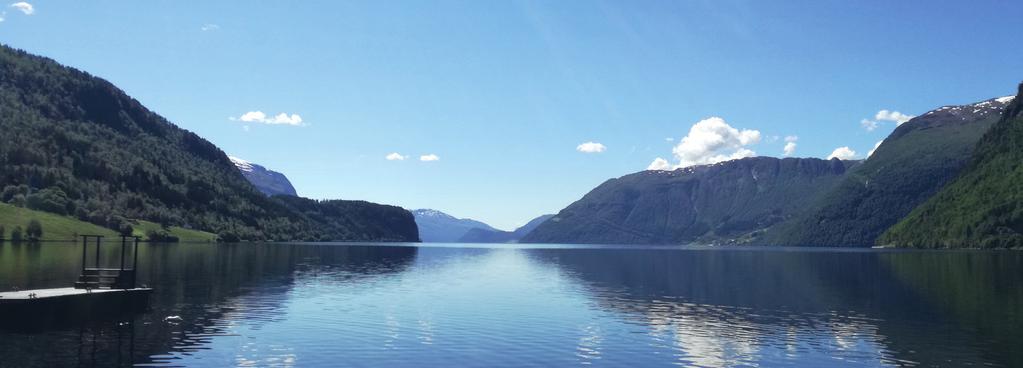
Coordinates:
983 207
76 145
910 166
727 202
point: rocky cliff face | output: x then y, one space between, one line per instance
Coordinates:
728 202
268 182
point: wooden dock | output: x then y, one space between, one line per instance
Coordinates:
23 296
99 293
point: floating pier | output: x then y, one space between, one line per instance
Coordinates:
99 292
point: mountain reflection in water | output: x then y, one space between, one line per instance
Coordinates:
386 305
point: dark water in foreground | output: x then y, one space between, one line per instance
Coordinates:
372 305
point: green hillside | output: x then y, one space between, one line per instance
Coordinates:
55 227
912 164
76 145
983 207
63 228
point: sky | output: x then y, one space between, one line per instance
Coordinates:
502 111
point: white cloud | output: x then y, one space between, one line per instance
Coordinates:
789 148
428 158
395 156
897 117
591 147
659 164
869 125
842 153
669 139
279 119
790 145
878 144
26 8
245 128
2 15
885 115
209 27
712 140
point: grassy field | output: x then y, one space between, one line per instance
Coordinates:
63 228
184 235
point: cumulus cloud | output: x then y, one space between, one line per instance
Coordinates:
790 145
24 7
428 158
395 156
591 147
878 144
209 27
279 119
842 153
659 164
712 140
885 115
897 117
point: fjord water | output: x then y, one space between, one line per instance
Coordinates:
406 305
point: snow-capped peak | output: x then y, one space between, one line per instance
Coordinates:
1005 99
241 164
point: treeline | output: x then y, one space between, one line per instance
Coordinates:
33 232
75 145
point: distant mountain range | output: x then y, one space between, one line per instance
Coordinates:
811 202
77 146
267 181
438 227
478 235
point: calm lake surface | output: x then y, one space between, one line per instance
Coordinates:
373 305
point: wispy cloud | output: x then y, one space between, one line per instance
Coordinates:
262 118
209 27
395 156
428 158
591 147
24 7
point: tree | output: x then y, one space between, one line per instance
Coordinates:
16 234
34 231
2 233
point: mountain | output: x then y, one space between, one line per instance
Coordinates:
267 181
479 235
732 201
439 227
983 206
910 166
76 145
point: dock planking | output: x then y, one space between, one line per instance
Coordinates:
56 293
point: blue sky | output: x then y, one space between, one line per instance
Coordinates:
505 94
